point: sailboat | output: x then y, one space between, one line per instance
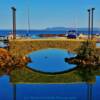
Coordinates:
72 34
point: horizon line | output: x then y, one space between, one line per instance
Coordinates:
48 28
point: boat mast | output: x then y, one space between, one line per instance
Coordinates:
14 21
28 18
76 26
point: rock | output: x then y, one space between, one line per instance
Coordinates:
26 59
9 62
78 61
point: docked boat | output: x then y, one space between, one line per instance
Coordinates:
72 34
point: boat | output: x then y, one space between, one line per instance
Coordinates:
72 34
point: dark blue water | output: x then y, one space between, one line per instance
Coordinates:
6 88
31 32
48 91
50 60
36 32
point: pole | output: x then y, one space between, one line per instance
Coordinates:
89 91
92 17
89 34
14 91
14 21
28 18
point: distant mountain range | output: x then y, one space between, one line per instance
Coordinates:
66 29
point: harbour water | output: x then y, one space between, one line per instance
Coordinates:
71 91
36 32
74 91
50 60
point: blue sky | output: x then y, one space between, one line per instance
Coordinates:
48 13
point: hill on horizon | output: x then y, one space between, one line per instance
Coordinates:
66 29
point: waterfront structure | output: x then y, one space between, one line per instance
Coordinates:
89 28
14 22
90 23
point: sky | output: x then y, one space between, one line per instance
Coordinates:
48 13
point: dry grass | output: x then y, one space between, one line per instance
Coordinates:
26 46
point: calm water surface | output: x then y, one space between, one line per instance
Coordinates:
48 91
50 60
78 91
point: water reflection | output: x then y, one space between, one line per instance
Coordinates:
6 88
86 90
87 73
50 60
89 91
73 91
52 92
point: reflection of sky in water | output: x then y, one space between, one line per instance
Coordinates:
47 91
50 60
97 44
6 89
57 92
96 89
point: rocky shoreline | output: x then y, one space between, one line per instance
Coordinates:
8 62
77 61
86 55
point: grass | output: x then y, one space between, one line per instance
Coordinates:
24 47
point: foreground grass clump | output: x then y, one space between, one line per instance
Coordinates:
86 51
86 55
